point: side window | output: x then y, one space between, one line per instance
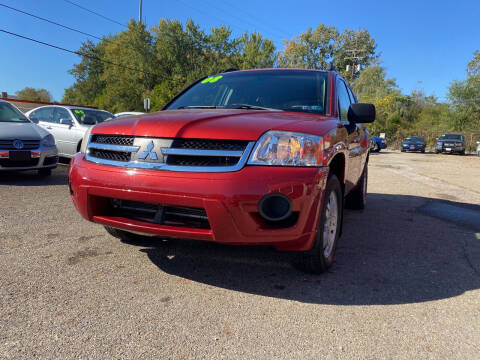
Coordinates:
61 113
343 100
43 114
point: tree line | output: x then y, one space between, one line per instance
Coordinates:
119 71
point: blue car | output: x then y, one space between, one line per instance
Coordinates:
377 144
414 143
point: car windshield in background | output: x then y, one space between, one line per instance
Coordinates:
9 113
296 90
451 137
414 138
91 117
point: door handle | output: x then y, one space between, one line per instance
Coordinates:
49 127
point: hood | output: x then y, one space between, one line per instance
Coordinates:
22 131
214 123
413 142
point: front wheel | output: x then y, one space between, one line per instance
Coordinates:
320 257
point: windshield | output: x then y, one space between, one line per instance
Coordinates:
9 113
292 90
414 138
451 137
91 116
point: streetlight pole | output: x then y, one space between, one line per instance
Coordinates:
140 12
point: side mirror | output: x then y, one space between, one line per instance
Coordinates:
361 113
68 122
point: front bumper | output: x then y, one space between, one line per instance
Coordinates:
41 158
408 147
230 200
450 149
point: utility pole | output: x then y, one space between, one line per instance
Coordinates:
140 12
355 58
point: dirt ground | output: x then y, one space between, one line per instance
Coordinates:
405 283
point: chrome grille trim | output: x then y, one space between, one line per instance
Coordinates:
192 152
110 147
165 152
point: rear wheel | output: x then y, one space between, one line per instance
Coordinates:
320 257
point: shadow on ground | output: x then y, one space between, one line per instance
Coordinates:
31 178
394 252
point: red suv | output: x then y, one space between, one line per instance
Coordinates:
242 157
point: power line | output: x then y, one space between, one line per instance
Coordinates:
96 13
79 53
51 22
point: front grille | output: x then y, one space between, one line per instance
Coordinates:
194 155
210 144
113 140
111 155
7 163
168 215
27 144
181 160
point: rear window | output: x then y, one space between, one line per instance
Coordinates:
9 113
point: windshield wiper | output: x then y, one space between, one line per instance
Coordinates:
198 107
250 107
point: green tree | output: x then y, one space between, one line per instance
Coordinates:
34 94
255 52
312 49
372 85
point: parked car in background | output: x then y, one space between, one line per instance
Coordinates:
414 143
23 144
478 148
243 157
377 143
128 113
450 143
68 124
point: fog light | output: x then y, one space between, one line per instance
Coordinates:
275 207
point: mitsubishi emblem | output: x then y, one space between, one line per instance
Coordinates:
153 155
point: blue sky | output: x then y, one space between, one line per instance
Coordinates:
423 43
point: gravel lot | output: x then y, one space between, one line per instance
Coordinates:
405 285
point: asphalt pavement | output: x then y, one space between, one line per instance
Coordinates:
405 283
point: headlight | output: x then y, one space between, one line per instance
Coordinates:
48 140
283 148
83 147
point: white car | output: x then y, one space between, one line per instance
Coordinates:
68 124
478 148
24 145
128 113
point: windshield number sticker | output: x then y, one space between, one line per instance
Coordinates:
211 79
79 112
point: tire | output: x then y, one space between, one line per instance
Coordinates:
124 235
357 199
45 172
462 152
320 257
376 148
423 151
402 150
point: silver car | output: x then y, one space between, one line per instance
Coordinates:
68 124
478 148
24 145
